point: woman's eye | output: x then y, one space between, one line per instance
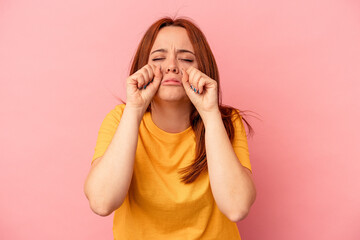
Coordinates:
182 59
187 60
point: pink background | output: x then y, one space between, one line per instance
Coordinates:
296 64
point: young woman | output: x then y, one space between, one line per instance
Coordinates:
173 162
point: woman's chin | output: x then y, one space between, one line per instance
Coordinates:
173 93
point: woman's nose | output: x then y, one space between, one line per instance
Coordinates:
172 69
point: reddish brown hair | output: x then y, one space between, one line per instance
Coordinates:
206 64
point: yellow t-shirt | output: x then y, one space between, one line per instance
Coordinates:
158 205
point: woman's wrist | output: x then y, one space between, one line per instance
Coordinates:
135 112
211 117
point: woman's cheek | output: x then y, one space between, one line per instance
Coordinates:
156 63
186 65
192 64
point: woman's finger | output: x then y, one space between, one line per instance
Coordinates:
185 81
196 79
132 80
191 73
150 72
157 76
146 75
153 70
141 80
201 85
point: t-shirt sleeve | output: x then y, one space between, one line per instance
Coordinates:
107 130
239 143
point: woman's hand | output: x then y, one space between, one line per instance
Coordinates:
201 90
142 86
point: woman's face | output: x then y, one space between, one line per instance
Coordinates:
172 50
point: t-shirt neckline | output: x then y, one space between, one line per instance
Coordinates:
154 129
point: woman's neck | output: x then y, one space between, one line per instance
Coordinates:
172 117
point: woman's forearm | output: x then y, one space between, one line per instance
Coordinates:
108 182
231 184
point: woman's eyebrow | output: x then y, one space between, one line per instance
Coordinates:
178 51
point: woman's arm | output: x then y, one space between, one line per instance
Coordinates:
109 179
231 183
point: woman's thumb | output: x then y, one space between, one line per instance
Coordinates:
157 76
185 80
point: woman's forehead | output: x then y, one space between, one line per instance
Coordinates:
171 38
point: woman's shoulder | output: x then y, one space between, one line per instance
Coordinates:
119 108
115 113
231 113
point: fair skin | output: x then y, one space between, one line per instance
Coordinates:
172 57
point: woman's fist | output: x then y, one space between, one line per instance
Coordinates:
201 89
142 86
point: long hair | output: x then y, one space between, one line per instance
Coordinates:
207 65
